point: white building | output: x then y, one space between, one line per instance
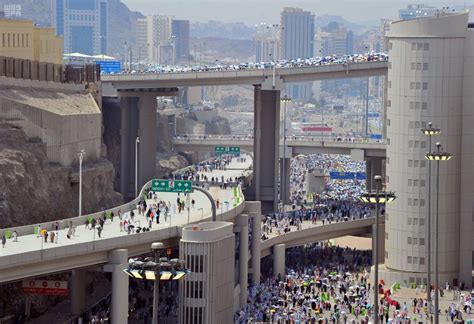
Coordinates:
207 293
141 40
267 39
430 78
158 35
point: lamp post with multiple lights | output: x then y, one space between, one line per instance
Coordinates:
377 197
283 188
429 131
437 156
156 268
137 141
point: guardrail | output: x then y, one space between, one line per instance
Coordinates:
81 220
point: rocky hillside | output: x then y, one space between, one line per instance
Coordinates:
34 191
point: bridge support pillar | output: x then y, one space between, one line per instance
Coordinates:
279 260
266 147
119 306
78 291
253 208
285 170
148 139
381 244
373 168
243 222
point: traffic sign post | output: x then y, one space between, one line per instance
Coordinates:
233 150
178 186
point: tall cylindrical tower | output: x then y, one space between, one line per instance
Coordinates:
425 83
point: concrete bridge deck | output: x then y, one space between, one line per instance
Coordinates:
297 146
250 77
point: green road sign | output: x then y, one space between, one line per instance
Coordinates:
182 186
234 150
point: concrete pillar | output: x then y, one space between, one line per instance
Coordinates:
254 210
373 168
279 260
242 221
285 179
266 147
381 243
148 138
78 291
128 134
119 306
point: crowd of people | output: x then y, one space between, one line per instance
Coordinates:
279 64
324 284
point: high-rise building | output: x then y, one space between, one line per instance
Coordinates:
334 39
267 40
413 11
83 24
297 41
180 31
158 34
141 40
430 77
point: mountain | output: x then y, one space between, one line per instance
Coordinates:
357 28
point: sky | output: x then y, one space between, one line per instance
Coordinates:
257 11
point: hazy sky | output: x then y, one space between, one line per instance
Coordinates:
255 11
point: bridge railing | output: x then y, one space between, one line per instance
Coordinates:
124 208
327 138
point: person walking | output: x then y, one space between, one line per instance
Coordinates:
56 237
39 231
4 240
15 236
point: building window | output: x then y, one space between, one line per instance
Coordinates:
389 103
412 85
415 163
412 66
415 220
417 124
410 202
422 261
422 183
415 183
418 66
409 259
412 105
423 124
422 241
426 46
415 203
415 241
424 105
409 240
425 66
390 84
425 85
423 144
409 221
418 85
417 144
422 163
415 261
422 220
410 163
422 203
419 46
410 144
388 122
410 182
413 46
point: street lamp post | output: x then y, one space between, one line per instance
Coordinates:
156 248
429 131
137 141
437 156
81 158
283 188
377 197
156 268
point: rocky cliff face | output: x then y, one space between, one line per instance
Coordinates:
34 191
